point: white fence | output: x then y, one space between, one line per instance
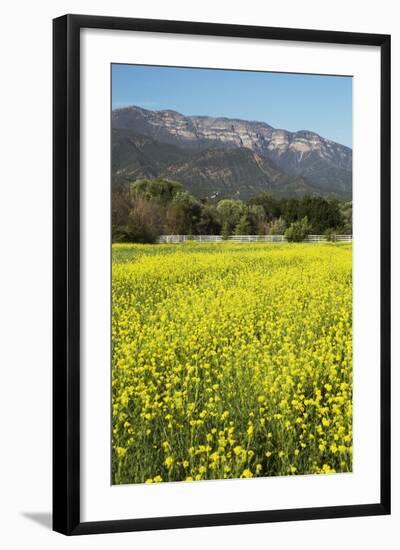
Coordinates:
247 238
322 238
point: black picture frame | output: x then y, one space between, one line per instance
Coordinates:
66 273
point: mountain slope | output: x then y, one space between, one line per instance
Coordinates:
238 172
210 173
135 156
326 165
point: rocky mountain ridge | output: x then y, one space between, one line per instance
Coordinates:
325 164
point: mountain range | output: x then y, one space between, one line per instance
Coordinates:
224 157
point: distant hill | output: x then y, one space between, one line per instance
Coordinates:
220 157
135 156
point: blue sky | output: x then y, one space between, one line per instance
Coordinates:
322 104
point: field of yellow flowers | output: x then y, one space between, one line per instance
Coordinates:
231 360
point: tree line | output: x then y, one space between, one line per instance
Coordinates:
146 209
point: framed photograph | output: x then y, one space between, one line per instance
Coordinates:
221 274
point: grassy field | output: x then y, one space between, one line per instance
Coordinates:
231 360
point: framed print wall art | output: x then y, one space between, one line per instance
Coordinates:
221 274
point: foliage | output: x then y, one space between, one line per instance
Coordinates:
298 231
257 219
142 221
160 189
277 226
225 231
330 235
320 212
230 361
346 211
271 206
174 210
230 211
243 226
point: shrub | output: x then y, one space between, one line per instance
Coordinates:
145 220
243 226
298 231
330 234
225 232
277 226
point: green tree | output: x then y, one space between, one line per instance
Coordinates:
257 219
188 210
209 222
243 226
225 231
160 189
330 234
230 211
145 221
277 226
272 207
298 231
346 210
